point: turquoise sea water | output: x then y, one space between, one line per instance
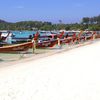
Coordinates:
26 34
23 34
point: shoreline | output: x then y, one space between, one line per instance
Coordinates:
47 52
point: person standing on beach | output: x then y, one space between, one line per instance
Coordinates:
59 36
58 39
74 37
0 37
79 36
93 35
35 41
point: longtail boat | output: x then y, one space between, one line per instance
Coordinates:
16 47
49 43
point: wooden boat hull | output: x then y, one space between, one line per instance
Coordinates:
25 46
98 35
47 44
16 48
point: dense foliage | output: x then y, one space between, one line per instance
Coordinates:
87 23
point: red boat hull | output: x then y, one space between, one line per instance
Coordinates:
16 48
47 44
25 46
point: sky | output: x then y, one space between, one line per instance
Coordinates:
68 11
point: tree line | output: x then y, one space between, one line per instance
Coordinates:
87 23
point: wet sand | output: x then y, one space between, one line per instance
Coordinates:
65 75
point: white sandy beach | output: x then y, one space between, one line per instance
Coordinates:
70 75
